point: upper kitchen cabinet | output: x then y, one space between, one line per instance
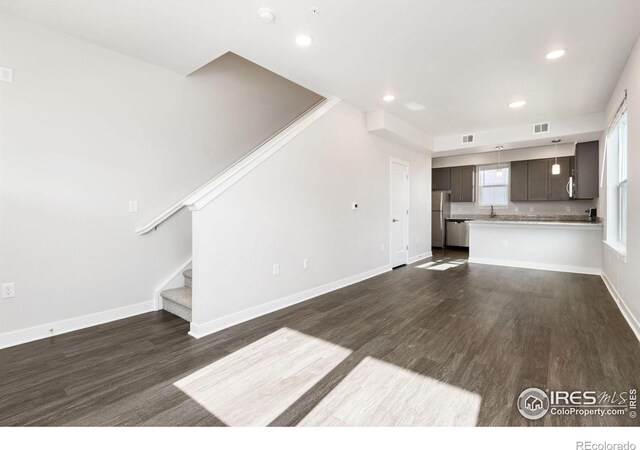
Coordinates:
463 183
558 189
519 191
441 179
586 170
538 179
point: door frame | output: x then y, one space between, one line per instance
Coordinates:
407 185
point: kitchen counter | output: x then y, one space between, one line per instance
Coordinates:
561 243
543 222
582 221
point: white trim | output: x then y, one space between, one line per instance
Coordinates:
622 306
65 326
407 188
537 266
171 282
201 330
617 248
205 194
415 259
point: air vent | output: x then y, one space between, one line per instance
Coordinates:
541 128
467 139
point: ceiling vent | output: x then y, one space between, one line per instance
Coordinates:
541 128
467 139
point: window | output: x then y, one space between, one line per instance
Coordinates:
617 184
494 185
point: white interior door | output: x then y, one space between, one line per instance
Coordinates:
399 213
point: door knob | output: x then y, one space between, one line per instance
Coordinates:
395 220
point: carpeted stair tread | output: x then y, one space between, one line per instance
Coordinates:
181 296
187 273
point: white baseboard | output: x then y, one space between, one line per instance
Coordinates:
537 266
417 258
622 306
65 326
174 281
201 330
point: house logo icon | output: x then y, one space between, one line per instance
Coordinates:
533 403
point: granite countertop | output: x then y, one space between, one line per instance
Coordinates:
582 221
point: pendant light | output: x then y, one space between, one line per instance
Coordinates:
499 170
555 168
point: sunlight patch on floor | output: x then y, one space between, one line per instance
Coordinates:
443 263
376 393
254 385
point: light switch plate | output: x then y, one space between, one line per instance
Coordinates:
8 290
6 74
305 263
276 270
133 206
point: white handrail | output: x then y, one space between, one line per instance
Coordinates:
206 193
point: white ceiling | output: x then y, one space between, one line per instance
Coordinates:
464 60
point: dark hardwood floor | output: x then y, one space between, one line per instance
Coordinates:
484 330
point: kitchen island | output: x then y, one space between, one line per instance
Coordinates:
564 243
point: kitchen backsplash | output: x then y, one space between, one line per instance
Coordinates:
576 207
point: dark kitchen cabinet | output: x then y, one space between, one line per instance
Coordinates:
519 191
468 183
538 179
558 183
463 181
587 170
441 179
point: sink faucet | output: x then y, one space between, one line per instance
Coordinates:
492 215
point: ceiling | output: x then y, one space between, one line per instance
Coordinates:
464 60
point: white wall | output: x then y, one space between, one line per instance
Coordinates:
297 205
576 207
83 131
623 273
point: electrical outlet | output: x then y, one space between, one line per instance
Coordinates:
531 209
8 290
568 208
505 243
517 209
133 206
305 263
276 270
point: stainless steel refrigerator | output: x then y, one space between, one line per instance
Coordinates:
440 211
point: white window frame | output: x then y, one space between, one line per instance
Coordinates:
507 180
617 203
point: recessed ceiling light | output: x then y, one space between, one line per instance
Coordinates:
517 104
266 15
556 54
389 98
304 40
414 106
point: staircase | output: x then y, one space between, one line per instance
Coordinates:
178 300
